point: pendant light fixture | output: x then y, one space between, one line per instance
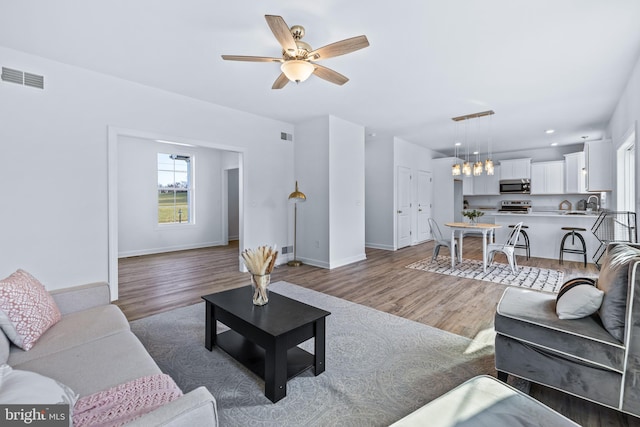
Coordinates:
488 164
466 166
456 169
477 167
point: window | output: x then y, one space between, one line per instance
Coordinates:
175 189
626 175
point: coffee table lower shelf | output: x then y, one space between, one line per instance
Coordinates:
252 355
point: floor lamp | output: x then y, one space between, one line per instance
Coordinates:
295 198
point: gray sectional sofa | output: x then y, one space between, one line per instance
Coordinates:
92 349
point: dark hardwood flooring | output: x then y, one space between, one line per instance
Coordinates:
155 283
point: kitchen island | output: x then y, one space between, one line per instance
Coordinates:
545 233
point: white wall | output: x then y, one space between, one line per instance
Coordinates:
347 196
626 117
312 173
379 193
233 205
56 223
329 167
383 157
138 229
443 194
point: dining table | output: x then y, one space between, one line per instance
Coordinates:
487 231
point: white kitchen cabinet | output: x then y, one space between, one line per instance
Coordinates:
515 169
487 185
468 185
547 177
575 173
599 165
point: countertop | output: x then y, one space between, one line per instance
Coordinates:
552 213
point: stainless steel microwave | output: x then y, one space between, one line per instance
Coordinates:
519 186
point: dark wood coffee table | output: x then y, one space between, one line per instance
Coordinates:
265 338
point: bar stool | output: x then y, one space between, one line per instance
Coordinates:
572 233
524 245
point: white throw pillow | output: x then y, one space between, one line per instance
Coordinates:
25 387
578 298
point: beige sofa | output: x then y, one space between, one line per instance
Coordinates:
92 349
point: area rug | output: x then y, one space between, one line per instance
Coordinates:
379 367
541 279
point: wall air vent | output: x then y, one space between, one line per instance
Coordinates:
22 78
13 76
33 80
286 136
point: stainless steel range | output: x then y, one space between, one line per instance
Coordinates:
515 206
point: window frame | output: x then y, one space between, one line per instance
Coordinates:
191 189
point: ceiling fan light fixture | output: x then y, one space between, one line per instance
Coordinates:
297 70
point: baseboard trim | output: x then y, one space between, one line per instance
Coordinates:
151 251
379 246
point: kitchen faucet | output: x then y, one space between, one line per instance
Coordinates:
597 203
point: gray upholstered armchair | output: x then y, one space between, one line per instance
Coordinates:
595 357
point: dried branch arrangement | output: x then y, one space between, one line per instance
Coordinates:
260 263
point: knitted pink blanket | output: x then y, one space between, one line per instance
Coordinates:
125 402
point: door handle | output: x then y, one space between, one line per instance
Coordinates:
399 211
419 210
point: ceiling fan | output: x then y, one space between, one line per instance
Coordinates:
297 56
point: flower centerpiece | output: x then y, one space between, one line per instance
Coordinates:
260 263
473 215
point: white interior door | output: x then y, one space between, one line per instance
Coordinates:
403 213
425 188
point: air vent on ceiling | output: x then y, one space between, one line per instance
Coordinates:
286 136
22 78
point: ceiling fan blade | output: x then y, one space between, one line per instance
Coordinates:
282 32
339 48
250 58
329 75
280 82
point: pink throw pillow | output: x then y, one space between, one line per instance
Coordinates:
27 310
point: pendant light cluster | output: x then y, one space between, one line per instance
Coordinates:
477 168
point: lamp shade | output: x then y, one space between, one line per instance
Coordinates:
297 70
297 196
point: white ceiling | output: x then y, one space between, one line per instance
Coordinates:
538 64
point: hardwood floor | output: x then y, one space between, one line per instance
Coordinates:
155 283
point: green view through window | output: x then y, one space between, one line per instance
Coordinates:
174 189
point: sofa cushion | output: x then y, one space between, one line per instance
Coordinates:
4 348
578 298
530 316
73 330
613 280
26 309
98 365
24 387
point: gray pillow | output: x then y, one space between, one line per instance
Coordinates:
613 280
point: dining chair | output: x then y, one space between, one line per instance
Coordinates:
507 248
440 241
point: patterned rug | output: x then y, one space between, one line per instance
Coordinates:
379 367
541 279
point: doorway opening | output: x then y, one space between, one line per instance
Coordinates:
229 157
